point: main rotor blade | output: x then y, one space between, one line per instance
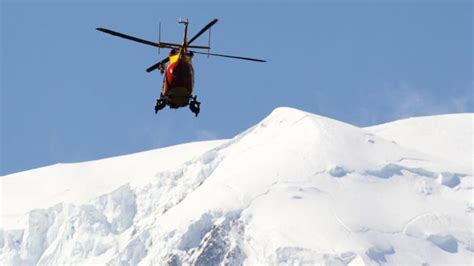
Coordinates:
199 47
231 56
214 21
175 45
128 37
157 65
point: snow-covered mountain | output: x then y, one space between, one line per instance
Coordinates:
295 189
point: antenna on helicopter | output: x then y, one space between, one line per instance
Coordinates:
159 37
183 21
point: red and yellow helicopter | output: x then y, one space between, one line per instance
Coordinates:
178 80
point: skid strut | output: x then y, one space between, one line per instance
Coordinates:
160 103
194 105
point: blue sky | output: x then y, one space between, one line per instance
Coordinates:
70 93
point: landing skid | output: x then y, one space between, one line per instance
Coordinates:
194 104
160 104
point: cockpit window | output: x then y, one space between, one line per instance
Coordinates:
173 52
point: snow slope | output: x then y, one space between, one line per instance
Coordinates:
79 182
447 136
295 189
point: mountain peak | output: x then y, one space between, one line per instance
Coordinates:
296 188
282 115
287 112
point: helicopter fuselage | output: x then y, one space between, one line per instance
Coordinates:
178 80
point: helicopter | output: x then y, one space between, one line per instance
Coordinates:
177 68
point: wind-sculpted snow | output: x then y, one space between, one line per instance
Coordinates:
445 136
295 189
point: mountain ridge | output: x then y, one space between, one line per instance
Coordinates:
295 188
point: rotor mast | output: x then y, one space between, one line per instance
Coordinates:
185 40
